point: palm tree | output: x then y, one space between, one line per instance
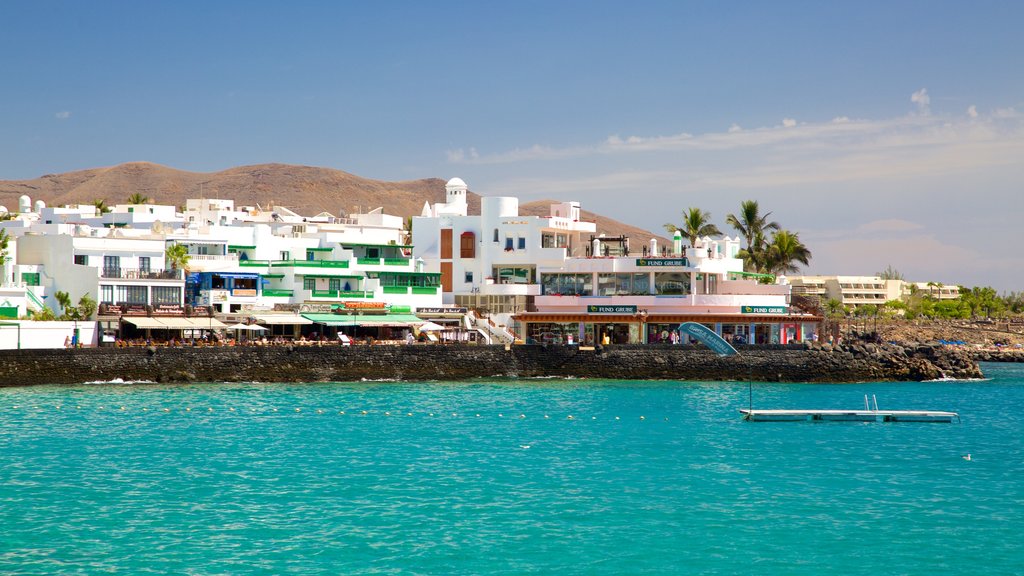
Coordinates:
752 225
138 198
177 256
785 251
755 255
750 221
696 224
101 205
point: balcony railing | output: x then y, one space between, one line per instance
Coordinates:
311 263
137 274
382 261
271 293
340 294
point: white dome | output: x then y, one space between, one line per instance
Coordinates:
24 204
455 182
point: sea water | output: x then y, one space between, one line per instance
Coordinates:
538 476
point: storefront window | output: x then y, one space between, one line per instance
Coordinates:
672 283
512 275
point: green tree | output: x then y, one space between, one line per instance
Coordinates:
755 256
5 241
177 256
784 252
101 205
138 198
86 307
44 315
64 300
696 224
752 226
834 308
890 273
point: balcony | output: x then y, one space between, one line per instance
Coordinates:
403 262
272 293
137 274
340 294
309 263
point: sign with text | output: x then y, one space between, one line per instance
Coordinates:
656 262
707 337
357 305
763 309
441 310
598 309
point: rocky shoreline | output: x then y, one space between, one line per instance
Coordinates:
855 361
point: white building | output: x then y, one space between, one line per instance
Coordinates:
564 284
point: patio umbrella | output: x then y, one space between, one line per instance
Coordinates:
430 327
247 327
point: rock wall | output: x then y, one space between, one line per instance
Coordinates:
998 355
852 363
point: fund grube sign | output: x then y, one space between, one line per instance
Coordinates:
763 309
598 309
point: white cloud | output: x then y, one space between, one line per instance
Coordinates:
735 128
840 119
788 122
891 225
923 101
972 111
62 115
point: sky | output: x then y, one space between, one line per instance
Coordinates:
884 133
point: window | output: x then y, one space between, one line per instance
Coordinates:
334 284
512 275
30 278
112 266
286 255
522 243
106 294
170 295
495 234
675 283
144 264
81 259
310 255
131 295
469 277
508 243
309 283
467 245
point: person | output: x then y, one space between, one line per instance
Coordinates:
674 337
67 341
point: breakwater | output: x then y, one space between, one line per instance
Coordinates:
855 362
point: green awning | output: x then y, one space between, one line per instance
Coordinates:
363 319
240 247
321 249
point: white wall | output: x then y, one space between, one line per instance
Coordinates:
44 334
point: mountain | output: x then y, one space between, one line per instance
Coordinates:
304 189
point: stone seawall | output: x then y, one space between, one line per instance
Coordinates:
998 355
852 363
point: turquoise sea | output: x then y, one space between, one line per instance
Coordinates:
495 477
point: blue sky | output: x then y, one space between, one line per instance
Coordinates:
883 132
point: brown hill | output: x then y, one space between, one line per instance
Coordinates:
303 189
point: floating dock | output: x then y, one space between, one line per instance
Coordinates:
848 416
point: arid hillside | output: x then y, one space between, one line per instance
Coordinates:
304 189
